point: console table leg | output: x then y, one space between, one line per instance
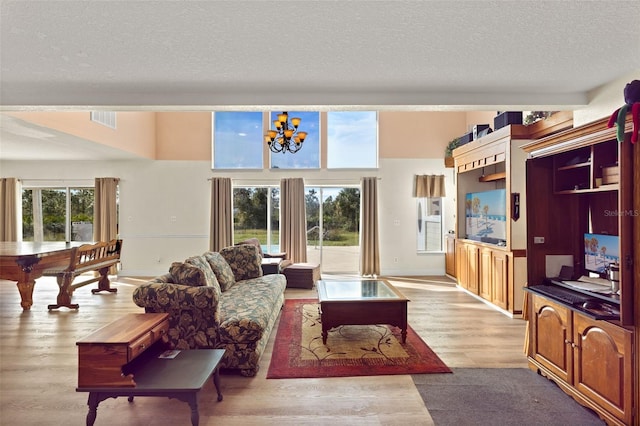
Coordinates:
93 408
216 381
195 416
404 335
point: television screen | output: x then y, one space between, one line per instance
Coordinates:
486 217
600 251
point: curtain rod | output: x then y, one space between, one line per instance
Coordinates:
311 180
55 180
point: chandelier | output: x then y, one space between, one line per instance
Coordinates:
286 136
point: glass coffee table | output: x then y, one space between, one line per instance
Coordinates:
361 302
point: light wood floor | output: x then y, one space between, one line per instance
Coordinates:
38 364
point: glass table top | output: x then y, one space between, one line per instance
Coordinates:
356 290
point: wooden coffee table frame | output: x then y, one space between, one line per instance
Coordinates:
363 310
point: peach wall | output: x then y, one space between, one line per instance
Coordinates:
183 136
135 131
418 134
187 135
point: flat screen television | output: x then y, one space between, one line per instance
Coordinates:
599 251
486 216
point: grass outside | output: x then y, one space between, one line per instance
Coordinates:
333 237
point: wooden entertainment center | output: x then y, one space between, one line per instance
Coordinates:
492 269
583 181
566 185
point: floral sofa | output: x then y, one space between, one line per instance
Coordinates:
218 300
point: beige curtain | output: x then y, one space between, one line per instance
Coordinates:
369 238
221 227
105 213
429 186
8 199
293 219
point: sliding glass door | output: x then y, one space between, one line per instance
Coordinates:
333 222
256 214
57 214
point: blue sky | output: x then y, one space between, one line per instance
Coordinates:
350 136
238 139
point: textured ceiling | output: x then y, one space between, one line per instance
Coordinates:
313 53
385 55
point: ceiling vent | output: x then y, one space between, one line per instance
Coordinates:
106 118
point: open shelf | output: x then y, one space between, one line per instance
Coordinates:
493 177
587 169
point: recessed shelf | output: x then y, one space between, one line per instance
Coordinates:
493 177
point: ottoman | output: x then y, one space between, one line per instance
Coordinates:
302 275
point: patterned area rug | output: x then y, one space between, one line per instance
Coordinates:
351 350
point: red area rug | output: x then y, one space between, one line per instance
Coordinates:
351 350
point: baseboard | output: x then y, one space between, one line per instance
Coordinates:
414 272
516 314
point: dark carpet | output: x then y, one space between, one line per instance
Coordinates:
499 396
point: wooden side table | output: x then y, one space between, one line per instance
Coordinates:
128 358
181 378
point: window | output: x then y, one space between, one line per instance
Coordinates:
256 214
237 140
309 155
430 234
57 214
352 139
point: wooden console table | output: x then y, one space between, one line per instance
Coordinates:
125 358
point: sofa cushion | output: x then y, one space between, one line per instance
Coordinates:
245 261
221 269
246 309
201 263
186 274
252 241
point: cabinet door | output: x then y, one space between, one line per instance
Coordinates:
602 365
552 333
485 273
499 279
473 273
450 257
461 264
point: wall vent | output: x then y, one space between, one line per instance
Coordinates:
106 118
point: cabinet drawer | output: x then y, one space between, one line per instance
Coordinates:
138 346
160 330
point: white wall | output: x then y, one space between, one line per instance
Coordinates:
165 206
604 100
398 216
